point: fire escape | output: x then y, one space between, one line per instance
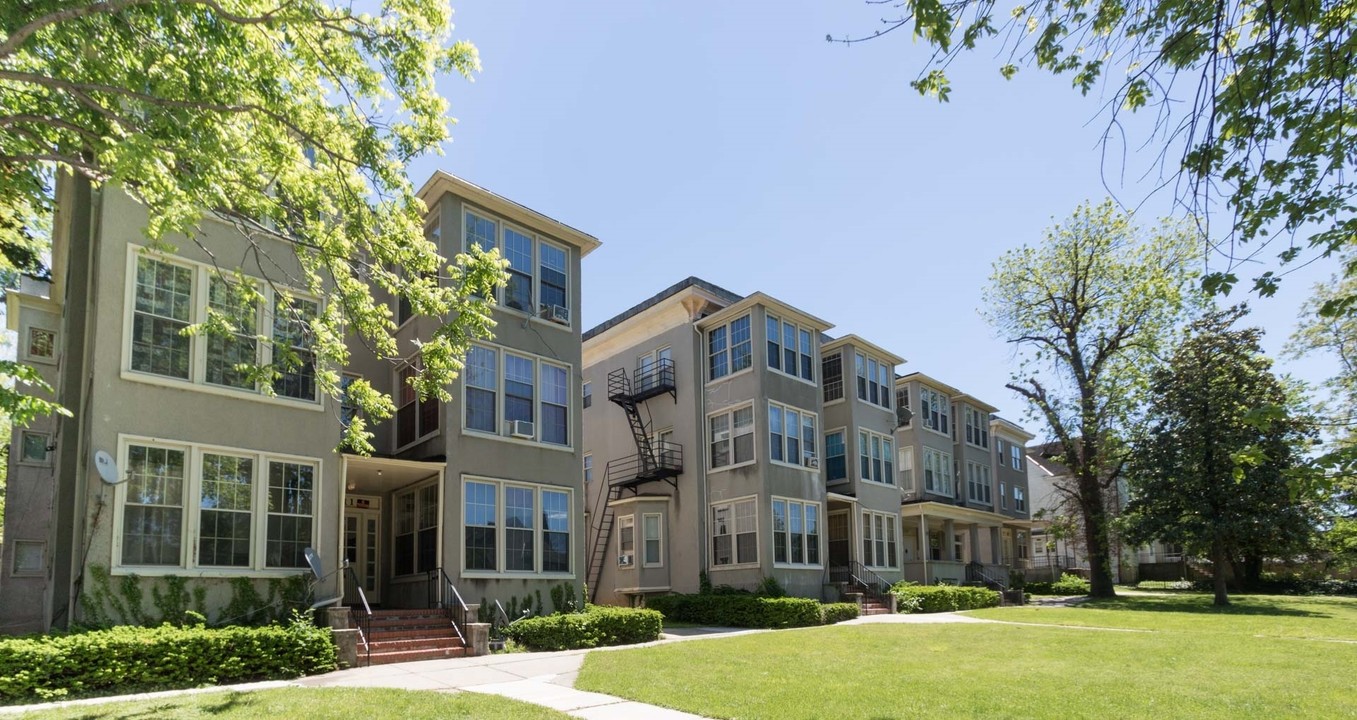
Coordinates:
653 461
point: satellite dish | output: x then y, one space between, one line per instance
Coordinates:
313 559
108 470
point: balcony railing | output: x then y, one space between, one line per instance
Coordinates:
651 379
667 462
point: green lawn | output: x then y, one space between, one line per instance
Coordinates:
1187 662
312 704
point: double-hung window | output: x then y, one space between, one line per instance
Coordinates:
978 482
790 348
1015 456
236 312
730 436
237 509
876 457
796 532
977 427
902 404
734 533
730 348
879 544
1019 499
504 532
836 461
539 273
938 472
652 538
934 408
416 417
831 374
792 434
874 380
1003 496
907 469
416 536
534 403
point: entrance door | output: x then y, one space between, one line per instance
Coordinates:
840 544
362 547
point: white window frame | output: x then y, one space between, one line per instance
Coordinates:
538 240
978 478
889 539
885 457
625 523
501 423
747 501
902 401
586 395
1019 499
1003 496
728 352
863 363
800 435
824 461
802 359
1016 456
539 531
928 397
800 507
197 379
26 343
414 362
832 382
588 467
753 430
646 539
46 438
977 427
943 470
416 491
190 519
905 466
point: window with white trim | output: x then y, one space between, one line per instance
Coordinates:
539 271
1003 496
730 436
502 530
1019 499
836 460
831 375
791 434
879 543
977 426
907 469
730 348
241 510
938 471
734 532
416 417
1015 456
626 540
40 345
978 483
534 401
902 403
652 538
588 467
874 385
796 532
588 395
791 348
934 408
246 333
876 457
34 448
416 515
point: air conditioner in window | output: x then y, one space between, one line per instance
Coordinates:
811 462
555 313
625 560
522 429
718 437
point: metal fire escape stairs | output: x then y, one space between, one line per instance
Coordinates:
648 464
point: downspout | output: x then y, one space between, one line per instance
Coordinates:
700 391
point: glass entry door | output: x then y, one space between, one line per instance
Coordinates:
839 542
362 548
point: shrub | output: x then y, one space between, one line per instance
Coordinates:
129 659
831 613
597 626
1298 585
738 610
1067 585
942 598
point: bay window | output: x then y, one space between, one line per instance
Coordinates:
938 472
879 542
876 457
535 398
796 532
792 434
934 408
539 271
836 464
729 348
734 533
790 348
730 436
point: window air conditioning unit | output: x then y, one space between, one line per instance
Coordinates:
811 462
555 313
522 429
624 560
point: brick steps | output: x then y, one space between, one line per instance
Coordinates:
401 635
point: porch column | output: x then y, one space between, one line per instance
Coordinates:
975 543
949 540
995 546
924 555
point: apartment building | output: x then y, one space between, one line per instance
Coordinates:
174 463
729 435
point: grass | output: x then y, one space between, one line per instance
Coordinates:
310 703
1187 661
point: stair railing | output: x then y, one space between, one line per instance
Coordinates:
443 594
975 572
873 583
362 616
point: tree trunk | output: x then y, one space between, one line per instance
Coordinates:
1096 541
1219 561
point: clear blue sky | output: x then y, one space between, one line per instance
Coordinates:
728 140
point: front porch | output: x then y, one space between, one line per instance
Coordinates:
954 545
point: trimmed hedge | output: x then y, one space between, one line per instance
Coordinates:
130 659
831 613
597 626
942 598
749 611
1068 584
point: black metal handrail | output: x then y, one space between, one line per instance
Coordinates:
657 375
443 594
975 572
362 616
869 580
666 461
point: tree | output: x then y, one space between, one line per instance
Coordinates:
1216 468
1088 312
1254 98
291 119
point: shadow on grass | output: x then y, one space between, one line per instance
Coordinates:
1201 605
